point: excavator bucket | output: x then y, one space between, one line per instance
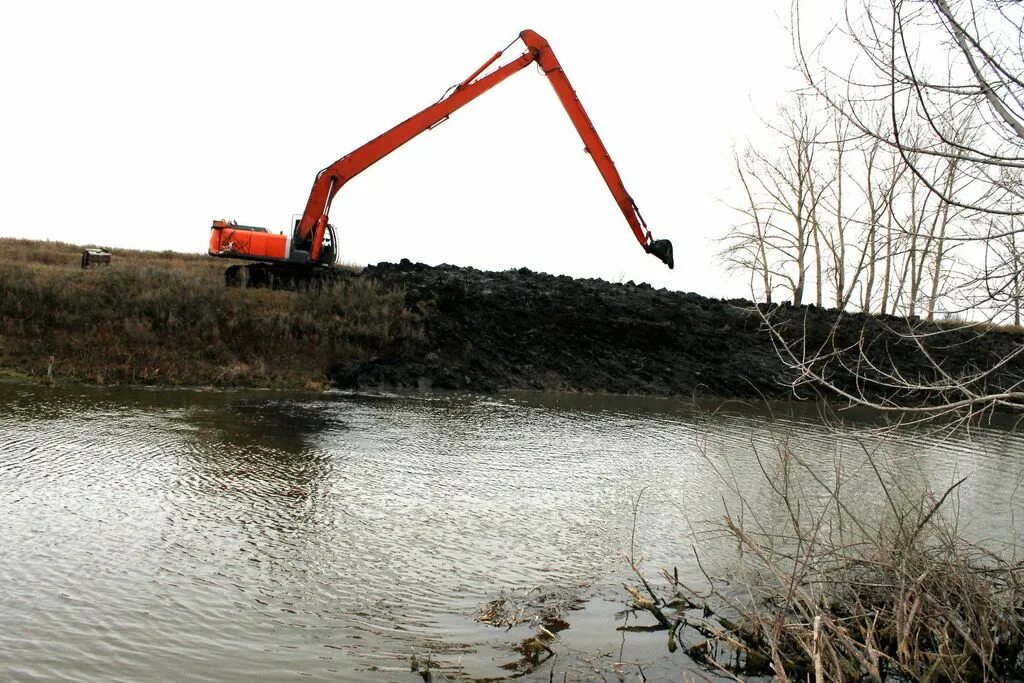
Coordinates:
663 250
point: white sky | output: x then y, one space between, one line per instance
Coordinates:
136 124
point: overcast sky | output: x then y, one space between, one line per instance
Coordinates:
136 124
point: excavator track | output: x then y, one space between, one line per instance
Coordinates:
280 276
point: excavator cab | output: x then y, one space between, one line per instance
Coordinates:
329 250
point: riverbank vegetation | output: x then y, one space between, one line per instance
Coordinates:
167 318
894 186
838 576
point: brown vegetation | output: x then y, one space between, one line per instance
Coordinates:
167 318
828 587
894 185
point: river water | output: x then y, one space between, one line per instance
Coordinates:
154 535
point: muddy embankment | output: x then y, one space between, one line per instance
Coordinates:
163 318
525 330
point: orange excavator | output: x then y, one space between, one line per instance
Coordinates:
310 250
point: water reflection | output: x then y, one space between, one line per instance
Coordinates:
234 535
253 448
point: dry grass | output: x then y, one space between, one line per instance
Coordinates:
829 587
167 318
981 326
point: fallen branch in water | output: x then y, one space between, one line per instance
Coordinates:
833 593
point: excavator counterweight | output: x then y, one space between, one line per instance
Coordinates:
311 245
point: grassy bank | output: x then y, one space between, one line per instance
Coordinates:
167 318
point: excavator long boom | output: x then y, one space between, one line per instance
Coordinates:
309 233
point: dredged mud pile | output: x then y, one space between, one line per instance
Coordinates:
524 330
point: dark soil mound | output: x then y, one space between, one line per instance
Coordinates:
525 330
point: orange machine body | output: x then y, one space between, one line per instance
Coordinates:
245 242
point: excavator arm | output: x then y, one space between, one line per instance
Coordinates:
593 145
313 224
307 241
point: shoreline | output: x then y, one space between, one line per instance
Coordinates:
166 320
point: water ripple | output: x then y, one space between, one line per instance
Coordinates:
147 534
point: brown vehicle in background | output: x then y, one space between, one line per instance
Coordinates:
95 257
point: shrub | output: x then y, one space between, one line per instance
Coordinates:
168 318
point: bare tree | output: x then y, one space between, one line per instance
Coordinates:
948 75
746 245
787 180
973 110
1001 280
837 238
781 238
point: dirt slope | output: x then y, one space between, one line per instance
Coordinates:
167 319
520 329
